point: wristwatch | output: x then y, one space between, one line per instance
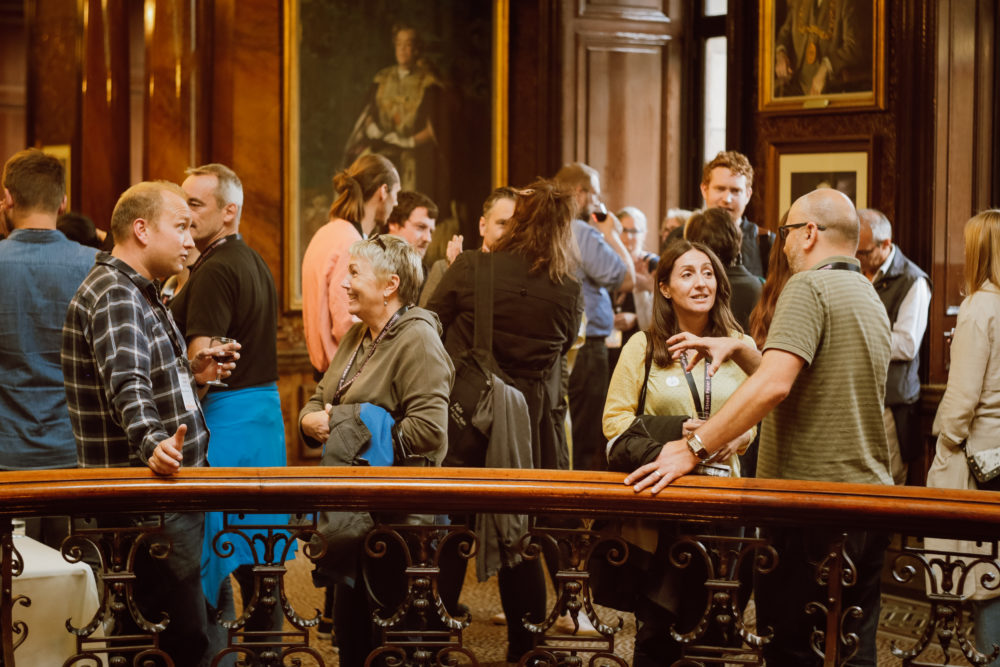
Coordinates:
696 446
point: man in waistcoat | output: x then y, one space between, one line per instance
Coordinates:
905 291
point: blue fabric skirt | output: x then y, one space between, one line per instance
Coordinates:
247 431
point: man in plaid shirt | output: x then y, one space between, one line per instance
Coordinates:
132 397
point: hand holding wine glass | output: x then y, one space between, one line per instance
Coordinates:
224 353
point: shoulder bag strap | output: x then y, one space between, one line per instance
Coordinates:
482 334
641 407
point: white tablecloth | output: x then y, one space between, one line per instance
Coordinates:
58 591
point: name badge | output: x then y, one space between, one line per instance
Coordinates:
187 393
673 382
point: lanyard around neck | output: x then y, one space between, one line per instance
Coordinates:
344 384
706 413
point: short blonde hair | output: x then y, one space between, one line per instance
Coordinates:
390 255
982 250
142 200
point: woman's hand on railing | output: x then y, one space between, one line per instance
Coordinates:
674 460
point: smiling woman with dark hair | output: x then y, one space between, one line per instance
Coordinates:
691 297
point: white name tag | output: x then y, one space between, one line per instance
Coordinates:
673 382
187 393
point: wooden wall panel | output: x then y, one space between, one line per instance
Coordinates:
103 160
13 78
963 152
622 136
535 94
621 69
54 31
173 138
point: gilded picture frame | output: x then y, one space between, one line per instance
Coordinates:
334 53
827 57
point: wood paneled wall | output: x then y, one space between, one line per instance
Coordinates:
13 77
931 164
621 94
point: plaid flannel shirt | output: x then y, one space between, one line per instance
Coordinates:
122 360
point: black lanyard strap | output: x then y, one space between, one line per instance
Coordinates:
840 266
701 414
344 384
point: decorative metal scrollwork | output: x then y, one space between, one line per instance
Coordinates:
419 630
722 556
269 647
835 572
112 551
945 575
575 548
12 565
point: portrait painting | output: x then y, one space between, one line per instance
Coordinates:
412 80
801 173
821 54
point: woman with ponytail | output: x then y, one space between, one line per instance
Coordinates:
366 195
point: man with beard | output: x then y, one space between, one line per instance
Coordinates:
367 193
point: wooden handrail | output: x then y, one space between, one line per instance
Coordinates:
914 510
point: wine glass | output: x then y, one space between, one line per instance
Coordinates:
221 359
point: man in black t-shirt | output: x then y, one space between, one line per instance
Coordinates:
231 293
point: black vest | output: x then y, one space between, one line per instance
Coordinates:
902 384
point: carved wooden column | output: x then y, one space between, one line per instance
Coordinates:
103 137
174 138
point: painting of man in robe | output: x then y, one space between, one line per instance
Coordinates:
407 79
405 118
825 49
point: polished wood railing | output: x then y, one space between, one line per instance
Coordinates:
907 511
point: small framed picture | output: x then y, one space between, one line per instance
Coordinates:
795 169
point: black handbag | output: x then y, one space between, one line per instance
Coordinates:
474 371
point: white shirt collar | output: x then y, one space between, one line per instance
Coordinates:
882 270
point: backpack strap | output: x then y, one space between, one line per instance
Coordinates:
482 332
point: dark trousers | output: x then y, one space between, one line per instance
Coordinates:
522 594
588 389
171 586
357 635
261 618
783 594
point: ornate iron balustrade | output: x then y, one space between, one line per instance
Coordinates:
421 631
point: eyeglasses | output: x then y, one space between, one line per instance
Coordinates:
377 239
785 229
865 253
